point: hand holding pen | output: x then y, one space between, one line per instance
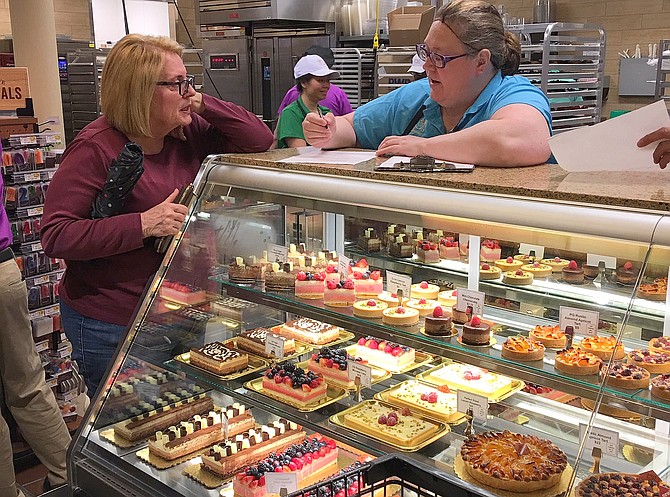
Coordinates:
318 129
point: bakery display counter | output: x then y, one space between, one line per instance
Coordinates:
274 291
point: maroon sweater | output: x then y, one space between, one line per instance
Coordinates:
108 261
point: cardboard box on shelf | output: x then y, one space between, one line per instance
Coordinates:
409 25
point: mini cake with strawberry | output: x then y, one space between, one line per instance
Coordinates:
490 251
182 293
425 307
370 309
488 272
438 323
310 285
509 264
339 294
384 354
332 365
538 270
315 456
427 251
332 273
293 385
557 264
448 249
476 332
424 290
400 316
627 274
360 266
368 283
573 274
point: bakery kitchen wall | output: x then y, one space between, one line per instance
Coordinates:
626 23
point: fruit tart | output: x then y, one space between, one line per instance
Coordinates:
660 386
519 348
660 345
654 362
603 347
626 376
577 362
550 336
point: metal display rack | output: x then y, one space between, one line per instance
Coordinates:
84 74
662 71
356 68
567 62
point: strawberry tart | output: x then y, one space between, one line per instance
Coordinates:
490 251
488 272
448 249
370 309
424 290
368 284
339 294
400 316
293 385
310 285
384 354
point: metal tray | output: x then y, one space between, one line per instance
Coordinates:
426 376
300 349
333 394
441 429
385 396
345 336
420 359
378 374
255 364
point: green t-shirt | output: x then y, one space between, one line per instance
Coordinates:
290 122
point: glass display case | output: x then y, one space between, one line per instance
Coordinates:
261 232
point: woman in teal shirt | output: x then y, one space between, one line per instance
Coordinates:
312 82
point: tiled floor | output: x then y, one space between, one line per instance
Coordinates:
31 479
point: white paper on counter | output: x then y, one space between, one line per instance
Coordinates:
388 164
313 155
612 144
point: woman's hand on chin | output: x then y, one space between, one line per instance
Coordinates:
409 146
197 105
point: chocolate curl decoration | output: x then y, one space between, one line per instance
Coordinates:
124 172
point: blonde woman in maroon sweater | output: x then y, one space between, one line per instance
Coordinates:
147 98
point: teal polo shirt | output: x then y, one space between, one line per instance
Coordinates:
290 121
390 114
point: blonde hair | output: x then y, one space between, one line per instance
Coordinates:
478 25
129 79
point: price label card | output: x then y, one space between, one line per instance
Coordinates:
584 322
36 211
478 403
39 347
36 247
595 259
28 140
41 280
527 248
343 266
274 345
32 177
605 440
276 481
397 281
52 382
470 298
413 229
277 253
362 371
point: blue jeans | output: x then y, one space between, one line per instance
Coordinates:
93 344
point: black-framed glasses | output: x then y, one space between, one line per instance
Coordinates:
183 85
437 59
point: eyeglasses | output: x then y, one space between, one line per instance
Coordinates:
438 60
183 84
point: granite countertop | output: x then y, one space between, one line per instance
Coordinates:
634 190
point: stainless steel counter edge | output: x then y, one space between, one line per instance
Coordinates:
594 220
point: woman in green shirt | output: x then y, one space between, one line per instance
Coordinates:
312 81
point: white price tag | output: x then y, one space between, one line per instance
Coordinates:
583 322
527 248
41 280
594 260
36 247
52 382
39 347
36 211
276 481
51 174
470 298
606 440
478 403
362 371
28 140
52 310
343 266
274 345
32 177
397 281
277 253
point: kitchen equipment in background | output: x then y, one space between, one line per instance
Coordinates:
544 11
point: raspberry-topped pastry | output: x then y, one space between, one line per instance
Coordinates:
627 274
424 290
660 386
448 249
626 376
310 285
518 277
340 294
438 323
519 348
509 264
384 354
427 251
654 362
538 270
603 347
488 272
424 306
400 316
332 365
368 283
512 461
371 309
573 274
660 344
294 385
490 251
557 264
577 362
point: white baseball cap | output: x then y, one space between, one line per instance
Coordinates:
417 65
314 65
